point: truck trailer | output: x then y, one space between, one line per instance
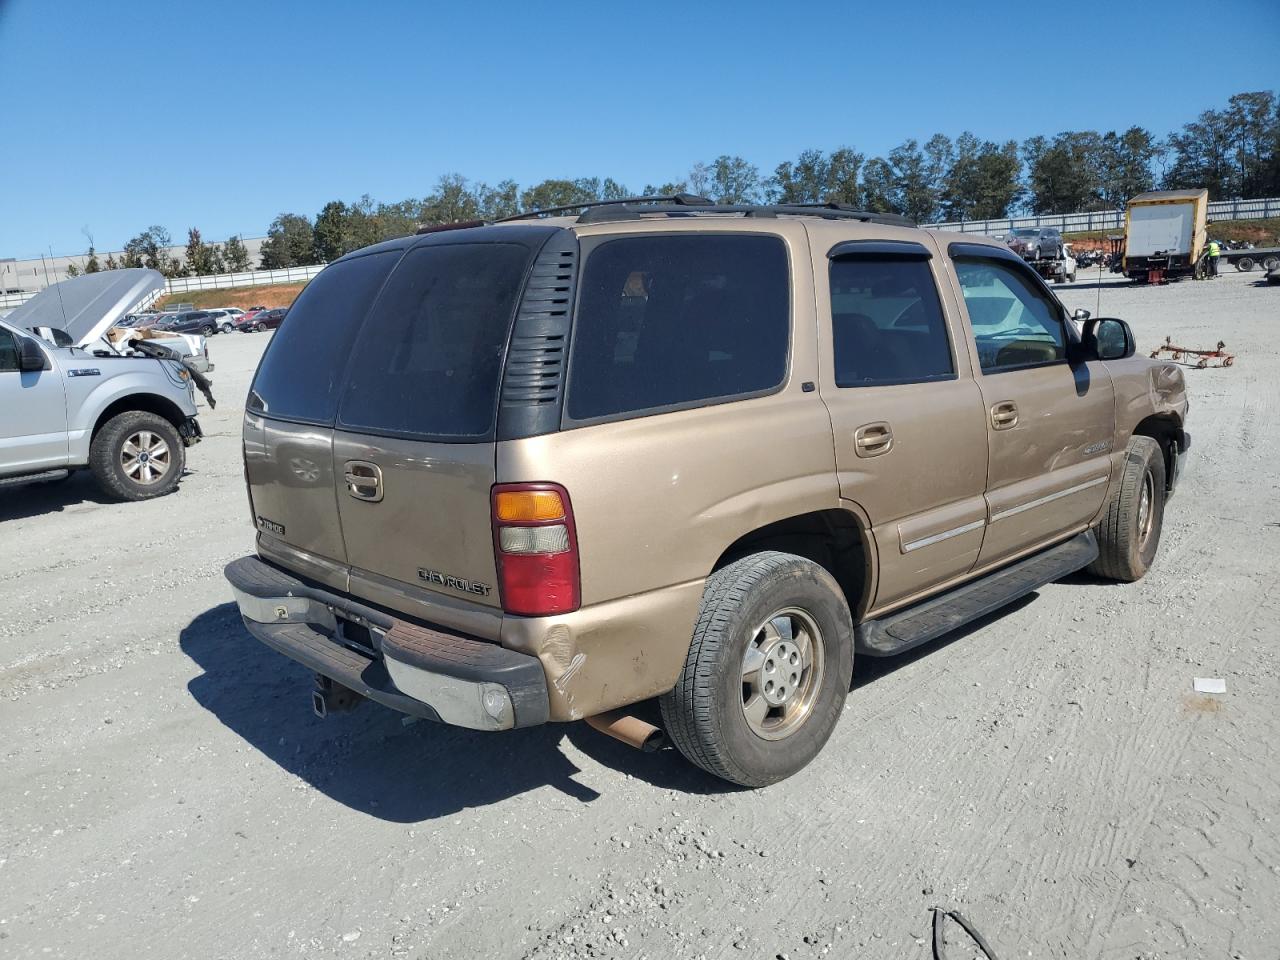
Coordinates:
1165 235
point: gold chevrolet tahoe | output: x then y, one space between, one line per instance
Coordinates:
544 469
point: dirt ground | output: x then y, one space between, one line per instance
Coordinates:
270 295
166 792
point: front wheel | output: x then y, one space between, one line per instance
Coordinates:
1244 264
136 456
227 328
260 327
1129 533
767 672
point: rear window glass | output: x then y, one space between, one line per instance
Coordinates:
430 356
665 321
301 373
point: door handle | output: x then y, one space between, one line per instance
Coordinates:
1004 415
364 480
873 439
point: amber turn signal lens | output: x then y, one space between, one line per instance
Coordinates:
528 505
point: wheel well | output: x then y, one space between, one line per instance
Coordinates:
833 539
1163 428
140 401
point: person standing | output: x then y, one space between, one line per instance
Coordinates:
1215 251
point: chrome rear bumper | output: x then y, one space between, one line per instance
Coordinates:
410 667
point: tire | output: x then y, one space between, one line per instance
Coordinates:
208 329
756 602
259 327
1071 278
1244 264
1270 263
121 473
1127 537
227 328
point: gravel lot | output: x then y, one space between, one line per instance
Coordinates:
165 791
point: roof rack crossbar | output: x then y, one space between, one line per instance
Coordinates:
676 199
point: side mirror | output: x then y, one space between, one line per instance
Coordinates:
1082 315
1108 339
30 356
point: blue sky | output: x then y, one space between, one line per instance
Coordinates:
221 115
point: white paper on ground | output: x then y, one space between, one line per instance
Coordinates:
1209 685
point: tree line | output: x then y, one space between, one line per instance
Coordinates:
1233 152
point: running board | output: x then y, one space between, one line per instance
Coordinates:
904 629
34 477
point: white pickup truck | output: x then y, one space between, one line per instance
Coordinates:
125 415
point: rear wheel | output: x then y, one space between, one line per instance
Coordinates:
1129 533
1244 264
767 673
227 328
259 327
136 456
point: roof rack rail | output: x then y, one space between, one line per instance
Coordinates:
456 225
676 199
827 211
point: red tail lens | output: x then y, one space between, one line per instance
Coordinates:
536 547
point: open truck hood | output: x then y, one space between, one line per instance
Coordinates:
86 307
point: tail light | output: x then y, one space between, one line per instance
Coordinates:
536 547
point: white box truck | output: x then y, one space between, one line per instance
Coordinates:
1165 234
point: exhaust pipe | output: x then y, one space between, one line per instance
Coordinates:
329 697
632 731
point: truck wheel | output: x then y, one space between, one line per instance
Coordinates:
1270 263
1129 532
767 672
1244 264
136 456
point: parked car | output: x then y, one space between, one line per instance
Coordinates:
225 319
128 419
529 485
262 320
1035 243
193 321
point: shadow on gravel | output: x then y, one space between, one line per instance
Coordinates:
39 497
369 760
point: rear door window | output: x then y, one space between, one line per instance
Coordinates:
429 359
886 322
301 372
665 322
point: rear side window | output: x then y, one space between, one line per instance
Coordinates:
886 322
301 373
671 321
429 358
